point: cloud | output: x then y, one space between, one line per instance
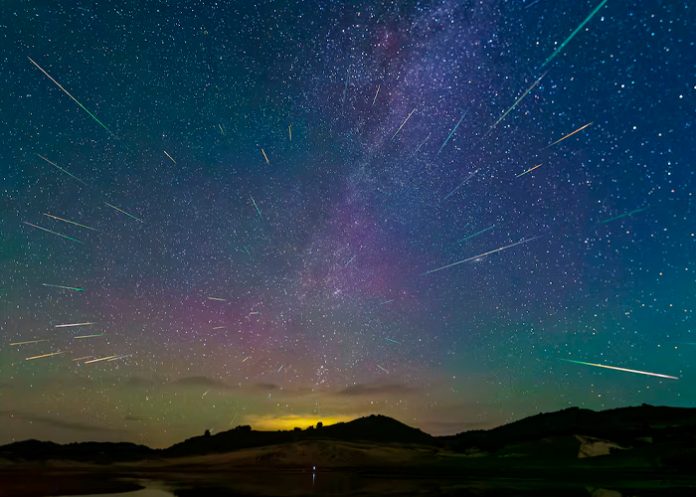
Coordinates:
139 381
214 384
265 386
201 381
364 389
59 423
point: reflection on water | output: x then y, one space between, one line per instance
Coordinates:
145 492
603 492
296 484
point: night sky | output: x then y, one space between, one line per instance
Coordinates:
267 192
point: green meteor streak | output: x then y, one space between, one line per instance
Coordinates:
582 24
72 98
454 130
474 235
52 232
258 211
621 216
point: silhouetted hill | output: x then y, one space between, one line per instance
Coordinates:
644 436
628 425
103 452
375 428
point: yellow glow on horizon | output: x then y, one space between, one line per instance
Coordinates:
270 422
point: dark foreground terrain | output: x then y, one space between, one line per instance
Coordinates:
641 451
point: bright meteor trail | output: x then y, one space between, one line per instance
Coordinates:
474 235
53 232
466 180
625 370
100 359
265 157
123 212
73 98
169 156
57 218
568 135
403 123
582 24
51 354
529 170
62 170
258 211
621 216
526 92
73 288
480 256
454 130
28 342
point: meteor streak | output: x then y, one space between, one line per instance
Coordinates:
50 354
217 299
466 180
454 130
100 359
530 170
625 370
73 288
376 93
526 92
28 342
62 170
118 357
258 211
57 218
480 256
53 232
562 45
421 144
474 235
123 212
265 157
403 123
621 216
81 337
72 325
568 135
73 98
170 157
392 340
383 369
290 131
